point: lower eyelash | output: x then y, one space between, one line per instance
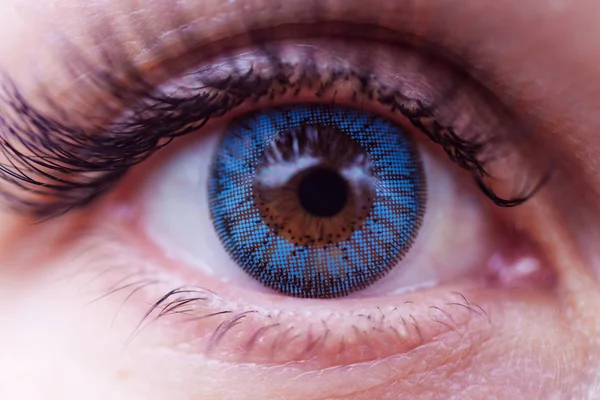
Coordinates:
67 166
229 334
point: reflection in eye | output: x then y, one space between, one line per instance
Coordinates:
298 204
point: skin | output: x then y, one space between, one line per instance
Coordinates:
540 57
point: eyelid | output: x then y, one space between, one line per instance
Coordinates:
76 165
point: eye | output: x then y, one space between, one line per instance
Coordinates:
322 203
250 184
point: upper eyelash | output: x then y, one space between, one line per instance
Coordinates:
66 166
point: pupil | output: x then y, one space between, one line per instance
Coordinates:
323 192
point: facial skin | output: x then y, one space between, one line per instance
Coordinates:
64 335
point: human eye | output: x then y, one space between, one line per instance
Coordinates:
330 181
302 201
262 180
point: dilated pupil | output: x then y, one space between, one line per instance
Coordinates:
323 192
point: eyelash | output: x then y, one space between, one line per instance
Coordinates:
217 323
70 166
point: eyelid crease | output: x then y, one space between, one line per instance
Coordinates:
56 166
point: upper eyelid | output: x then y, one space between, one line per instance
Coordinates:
117 66
62 137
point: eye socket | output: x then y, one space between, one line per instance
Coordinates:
164 221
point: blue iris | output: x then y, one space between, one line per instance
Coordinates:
279 254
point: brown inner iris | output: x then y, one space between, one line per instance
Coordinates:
314 186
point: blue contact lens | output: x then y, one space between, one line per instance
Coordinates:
316 201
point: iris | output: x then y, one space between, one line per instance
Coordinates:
316 201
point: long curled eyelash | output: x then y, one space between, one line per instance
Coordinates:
63 165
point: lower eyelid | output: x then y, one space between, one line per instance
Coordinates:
274 330
315 334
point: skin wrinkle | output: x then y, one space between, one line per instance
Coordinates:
535 56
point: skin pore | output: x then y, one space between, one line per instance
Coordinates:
65 335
